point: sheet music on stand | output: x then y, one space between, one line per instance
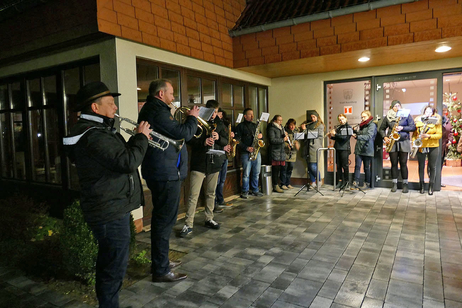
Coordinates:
430 120
264 116
403 113
239 118
205 113
344 132
312 134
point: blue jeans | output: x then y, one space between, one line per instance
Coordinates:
286 173
111 263
252 170
312 170
221 183
367 167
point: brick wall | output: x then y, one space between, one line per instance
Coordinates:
399 24
195 28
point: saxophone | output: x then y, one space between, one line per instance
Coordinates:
417 143
232 142
257 143
394 136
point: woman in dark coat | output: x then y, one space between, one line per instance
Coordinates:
402 147
312 145
342 134
277 137
364 149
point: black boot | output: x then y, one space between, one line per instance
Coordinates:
395 187
430 189
422 188
339 185
405 188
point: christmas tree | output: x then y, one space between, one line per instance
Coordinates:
454 108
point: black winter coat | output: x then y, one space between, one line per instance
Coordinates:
276 141
342 142
107 167
245 132
202 162
161 165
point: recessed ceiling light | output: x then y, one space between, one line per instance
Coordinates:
363 59
443 49
403 89
139 89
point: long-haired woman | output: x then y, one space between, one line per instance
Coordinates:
312 145
341 135
364 149
430 134
402 146
276 137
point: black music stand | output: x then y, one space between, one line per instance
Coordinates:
310 135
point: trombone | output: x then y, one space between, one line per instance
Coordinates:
162 142
202 124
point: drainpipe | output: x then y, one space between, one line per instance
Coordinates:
324 15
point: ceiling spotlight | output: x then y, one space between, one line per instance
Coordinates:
139 89
443 49
363 59
403 89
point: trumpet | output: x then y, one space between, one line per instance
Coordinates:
162 142
202 124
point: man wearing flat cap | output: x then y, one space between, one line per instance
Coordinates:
107 167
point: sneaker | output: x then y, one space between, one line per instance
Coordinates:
284 187
290 186
257 194
185 231
217 210
245 195
354 186
212 224
224 204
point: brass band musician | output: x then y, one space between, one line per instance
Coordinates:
341 134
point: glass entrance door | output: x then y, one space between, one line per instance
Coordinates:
415 93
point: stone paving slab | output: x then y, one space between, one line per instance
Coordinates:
378 249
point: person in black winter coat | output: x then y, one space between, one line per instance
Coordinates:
107 167
342 134
164 171
364 149
277 137
205 167
402 147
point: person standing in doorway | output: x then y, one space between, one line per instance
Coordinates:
277 137
341 135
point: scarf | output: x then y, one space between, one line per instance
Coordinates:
364 123
391 115
277 125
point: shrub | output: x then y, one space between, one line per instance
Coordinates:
78 245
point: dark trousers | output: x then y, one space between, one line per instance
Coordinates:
165 201
276 174
286 173
367 167
400 157
342 164
111 264
432 157
219 198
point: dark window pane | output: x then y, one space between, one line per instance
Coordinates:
208 89
174 77
20 145
226 95
253 100
238 96
194 90
17 95
71 86
35 94
38 146
145 73
6 146
261 100
53 142
4 97
51 96
91 73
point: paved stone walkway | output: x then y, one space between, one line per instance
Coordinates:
380 249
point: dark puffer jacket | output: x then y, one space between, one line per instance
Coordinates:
365 140
161 165
404 143
276 140
107 167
